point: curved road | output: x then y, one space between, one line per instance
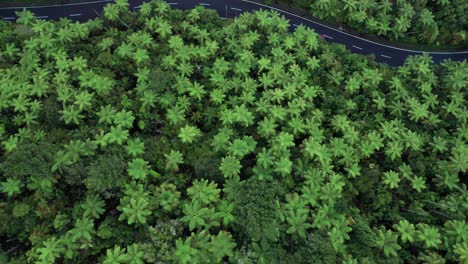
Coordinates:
230 8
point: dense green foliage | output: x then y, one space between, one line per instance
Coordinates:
168 136
436 22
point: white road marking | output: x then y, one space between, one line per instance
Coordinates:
237 9
172 3
137 7
204 4
7 18
99 15
42 16
327 36
31 7
295 25
385 56
357 47
74 15
383 45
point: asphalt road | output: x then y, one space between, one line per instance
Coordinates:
230 8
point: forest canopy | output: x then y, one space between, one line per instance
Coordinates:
169 136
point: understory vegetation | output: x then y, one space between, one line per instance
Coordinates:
169 136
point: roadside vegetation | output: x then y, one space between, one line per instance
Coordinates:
169 136
437 23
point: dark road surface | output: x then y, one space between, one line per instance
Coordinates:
230 8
